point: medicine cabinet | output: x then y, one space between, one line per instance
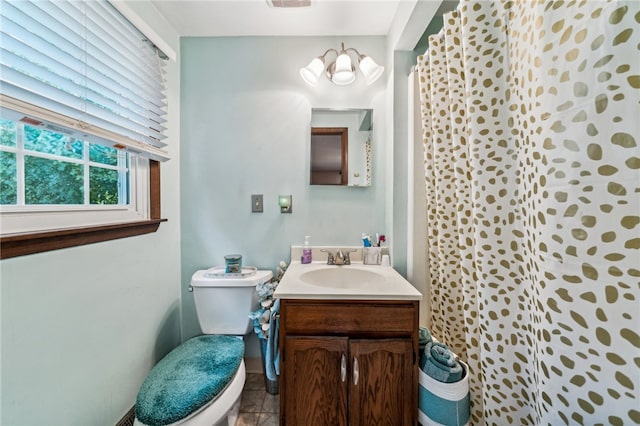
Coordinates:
340 148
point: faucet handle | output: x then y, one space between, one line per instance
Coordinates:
347 258
330 259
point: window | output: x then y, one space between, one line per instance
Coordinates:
46 165
82 113
47 170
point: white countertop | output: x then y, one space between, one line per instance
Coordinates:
387 285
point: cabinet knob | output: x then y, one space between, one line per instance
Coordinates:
343 368
356 371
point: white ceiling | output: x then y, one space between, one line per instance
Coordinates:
257 18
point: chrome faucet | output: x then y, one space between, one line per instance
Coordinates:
340 258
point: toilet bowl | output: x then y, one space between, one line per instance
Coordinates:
223 304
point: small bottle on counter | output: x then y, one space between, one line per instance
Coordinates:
306 251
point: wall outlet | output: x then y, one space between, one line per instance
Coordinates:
256 203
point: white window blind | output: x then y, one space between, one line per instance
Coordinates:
83 65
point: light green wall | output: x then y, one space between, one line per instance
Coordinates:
245 129
82 327
403 62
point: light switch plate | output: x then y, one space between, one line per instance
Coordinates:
256 203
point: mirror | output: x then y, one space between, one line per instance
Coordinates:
341 147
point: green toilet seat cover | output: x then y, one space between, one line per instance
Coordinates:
188 378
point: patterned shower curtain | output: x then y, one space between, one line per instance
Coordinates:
531 119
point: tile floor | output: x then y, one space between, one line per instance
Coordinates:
257 407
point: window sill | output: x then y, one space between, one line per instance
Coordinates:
21 244
13 245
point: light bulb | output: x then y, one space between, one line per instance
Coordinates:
311 73
343 73
370 69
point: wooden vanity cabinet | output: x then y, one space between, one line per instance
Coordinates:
346 362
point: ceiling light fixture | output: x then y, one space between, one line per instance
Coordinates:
341 71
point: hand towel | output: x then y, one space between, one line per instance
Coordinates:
440 363
272 356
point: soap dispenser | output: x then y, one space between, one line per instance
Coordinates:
306 251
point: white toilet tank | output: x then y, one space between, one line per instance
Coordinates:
224 301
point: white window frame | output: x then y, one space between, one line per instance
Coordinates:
29 218
37 218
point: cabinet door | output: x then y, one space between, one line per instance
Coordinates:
381 391
315 379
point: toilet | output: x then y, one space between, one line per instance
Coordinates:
200 382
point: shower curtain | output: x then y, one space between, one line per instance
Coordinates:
531 120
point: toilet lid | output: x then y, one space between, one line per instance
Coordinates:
188 378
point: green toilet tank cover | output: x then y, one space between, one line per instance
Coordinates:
188 378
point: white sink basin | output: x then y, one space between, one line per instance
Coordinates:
341 277
349 282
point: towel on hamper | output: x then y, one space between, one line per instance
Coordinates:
424 337
440 363
444 404
272 356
